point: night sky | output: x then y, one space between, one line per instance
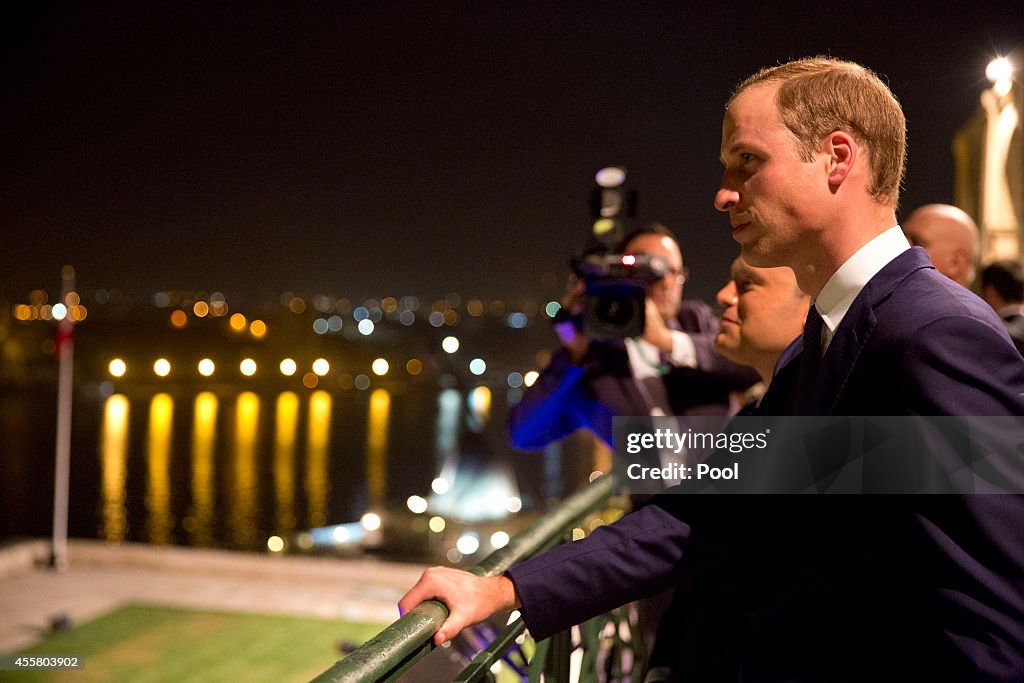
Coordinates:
372 149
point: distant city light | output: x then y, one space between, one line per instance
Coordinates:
499 539
610 177
474 307
275 544
179 319
516 320
321 366
468 543
72 299
477 366
297 305
59 311
407 318
414 366
417 504
206 367
320 326
288 367
370 521
162 367
439 486
530 377
117 367
362 382
436 318
380 367
258 329
515 380
436 524
248 367
334 323
161 300
201 309
450 344
237 322
514 504
551 308
366 327
360 313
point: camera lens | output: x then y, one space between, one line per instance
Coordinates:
615 311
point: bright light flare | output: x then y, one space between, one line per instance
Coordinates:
206 367
417 504
117 367
162 367
450 344
370 521
321 366
530 377
380 367
248 367
288 367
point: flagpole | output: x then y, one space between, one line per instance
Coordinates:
62 465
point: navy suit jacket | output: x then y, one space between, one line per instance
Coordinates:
834 588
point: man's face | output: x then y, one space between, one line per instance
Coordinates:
769 192
763 311
667 293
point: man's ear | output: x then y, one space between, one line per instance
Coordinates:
843 155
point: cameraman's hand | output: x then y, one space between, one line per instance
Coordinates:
655 330
575 342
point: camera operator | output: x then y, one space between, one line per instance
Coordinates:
671 369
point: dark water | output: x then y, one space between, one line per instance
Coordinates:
230 467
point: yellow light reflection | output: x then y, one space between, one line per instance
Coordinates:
242 511
248 367
201 309
288 367
159 521
162 367
179 319
237 322
321 366
204 439
377 446
380 367
286 424
206 367
258 329
414 366
113 458
480 404
317 444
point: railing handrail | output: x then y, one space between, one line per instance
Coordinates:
406 640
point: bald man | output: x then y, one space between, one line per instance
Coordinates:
949 236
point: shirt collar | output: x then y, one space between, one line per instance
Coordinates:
842 288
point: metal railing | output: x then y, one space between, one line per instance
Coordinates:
399 646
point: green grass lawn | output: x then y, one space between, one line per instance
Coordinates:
142 643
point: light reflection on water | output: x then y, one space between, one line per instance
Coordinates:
199 524
318 443
114 453
231 470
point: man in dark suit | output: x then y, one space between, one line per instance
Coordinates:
819 588
1002 288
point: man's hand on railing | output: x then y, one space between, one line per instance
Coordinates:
470 598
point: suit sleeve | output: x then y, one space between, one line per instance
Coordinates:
643 553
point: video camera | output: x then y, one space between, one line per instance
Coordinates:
616 284
616 290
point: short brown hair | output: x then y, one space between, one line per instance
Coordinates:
820 95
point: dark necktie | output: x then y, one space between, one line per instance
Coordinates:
810 362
